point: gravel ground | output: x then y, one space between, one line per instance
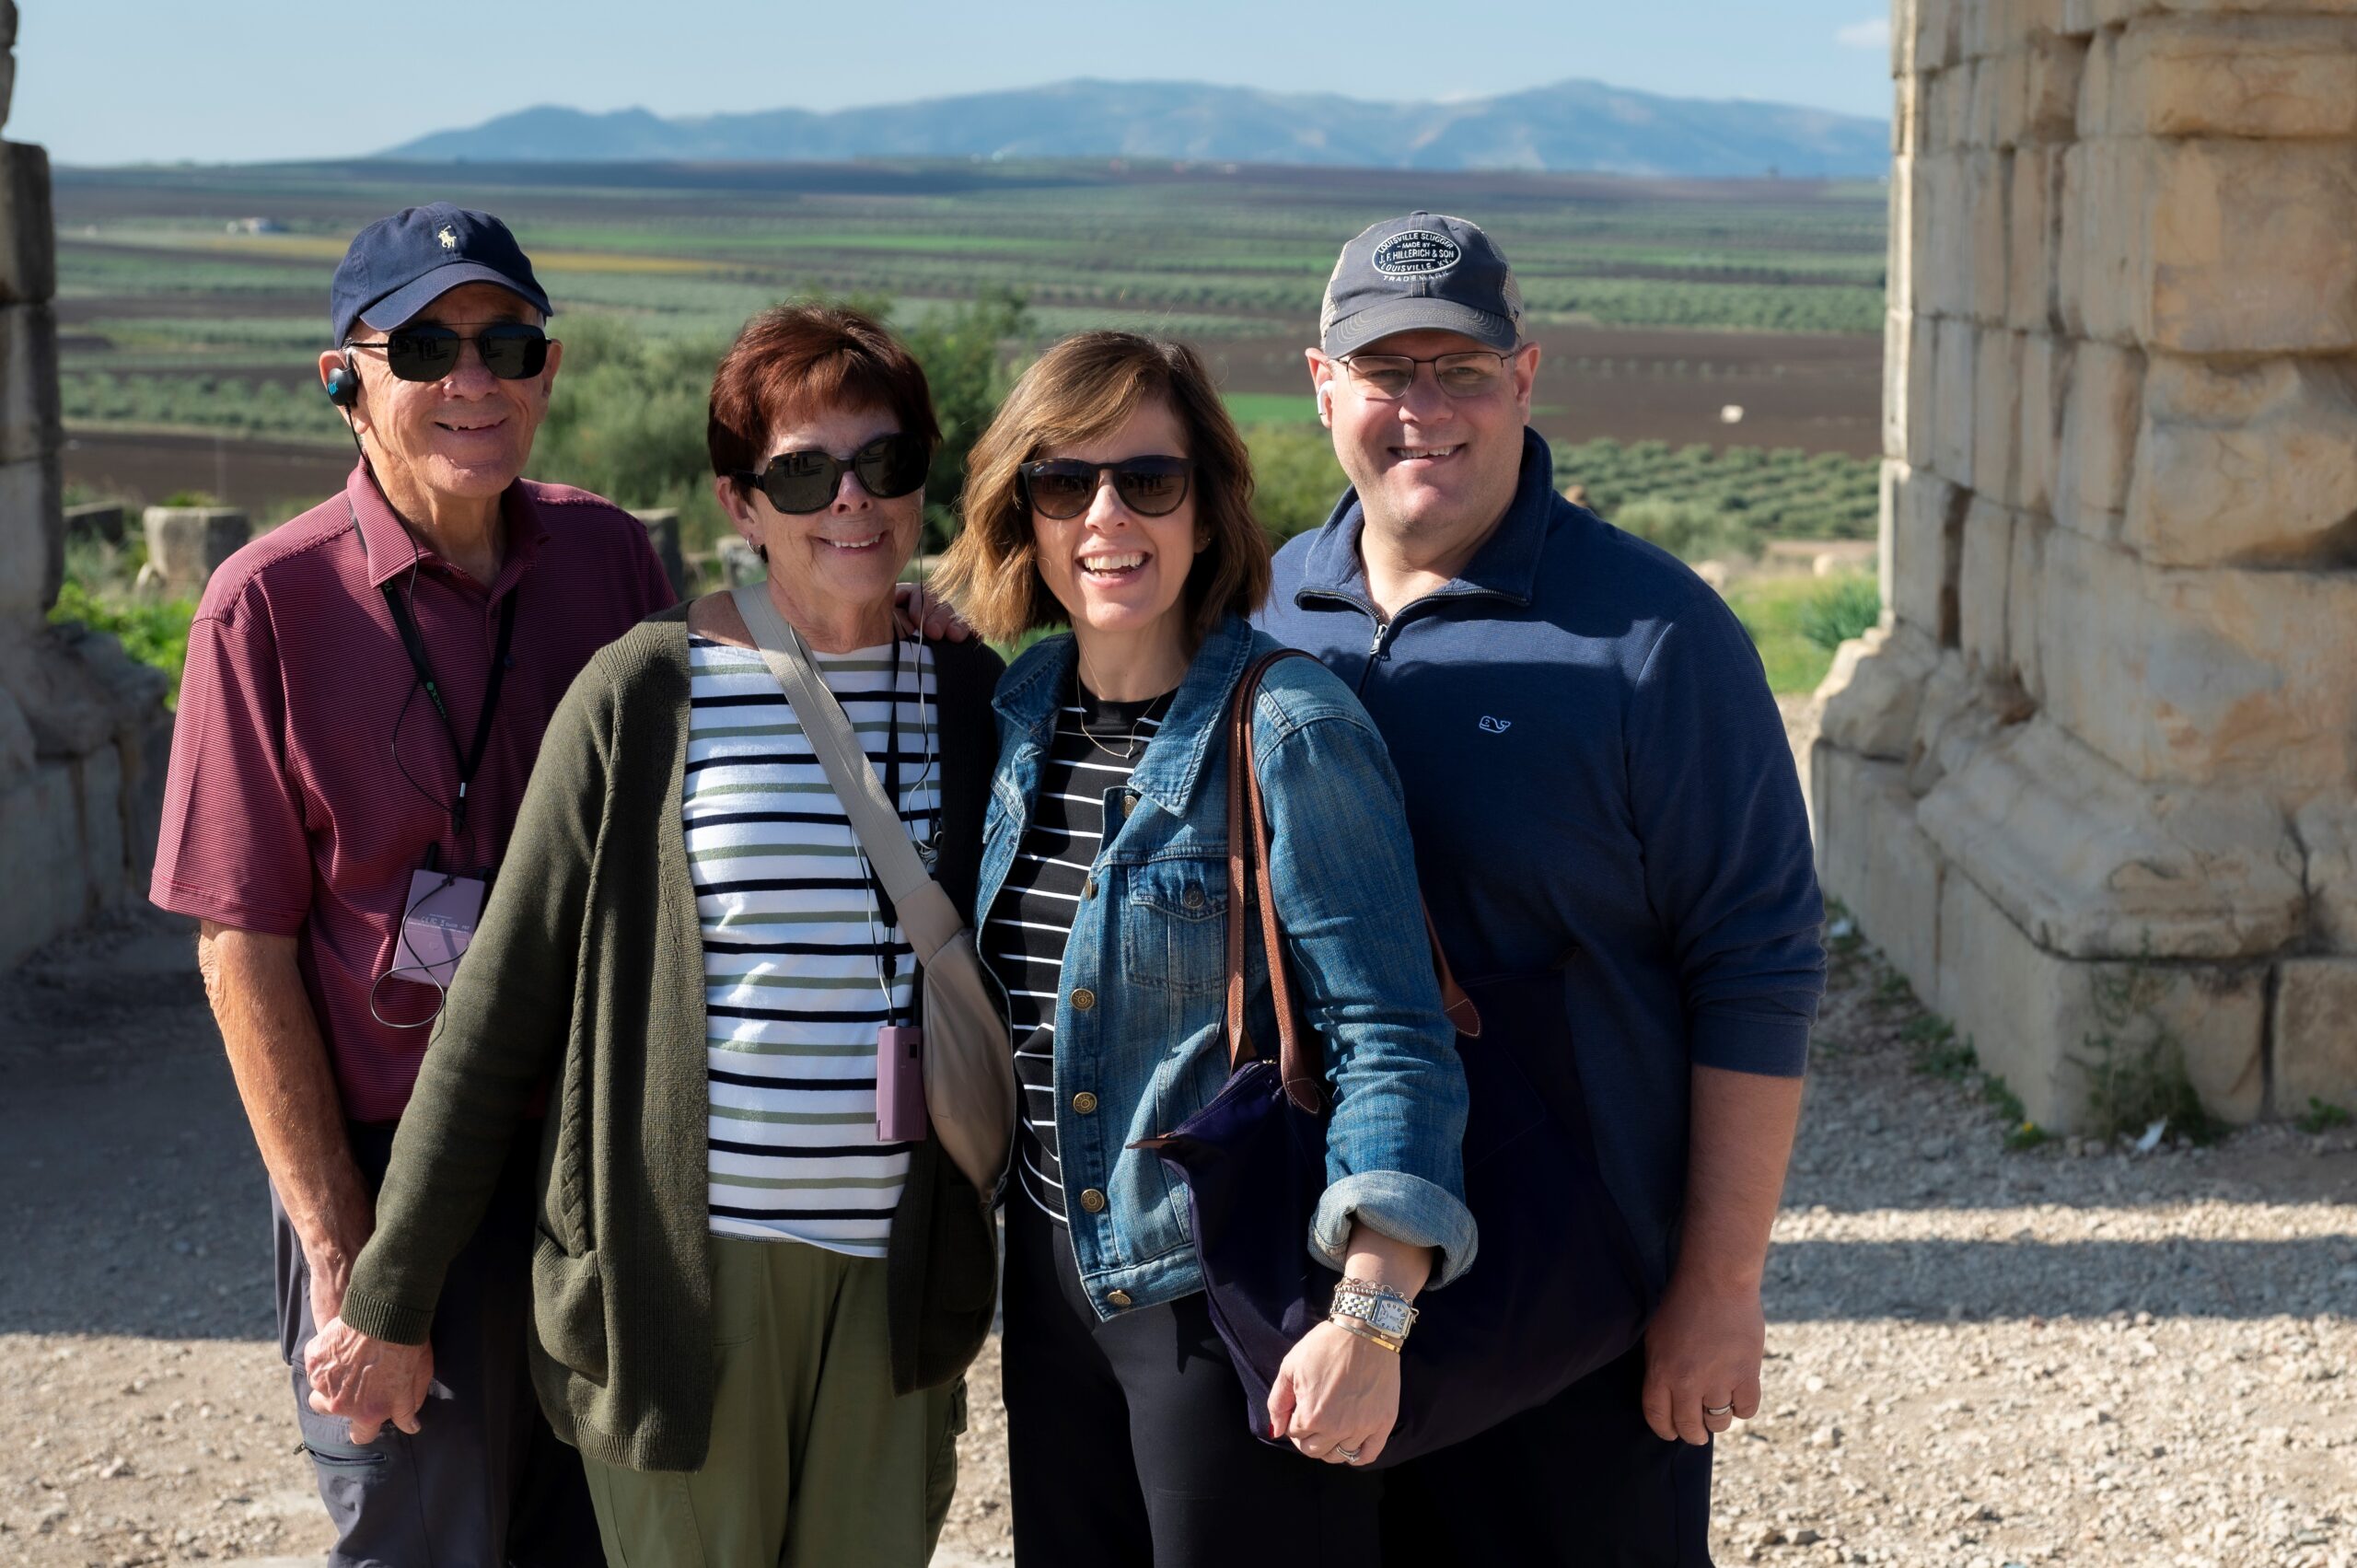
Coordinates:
1977 1356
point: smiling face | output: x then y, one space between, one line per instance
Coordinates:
463 438
1426 463
1123 578
843 559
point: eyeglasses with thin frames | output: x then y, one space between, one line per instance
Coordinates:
1473 373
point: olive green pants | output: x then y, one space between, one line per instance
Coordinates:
813 1462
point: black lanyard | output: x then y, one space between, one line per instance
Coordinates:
468 762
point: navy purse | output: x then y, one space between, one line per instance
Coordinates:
1555 1292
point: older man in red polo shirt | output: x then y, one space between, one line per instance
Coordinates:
366 688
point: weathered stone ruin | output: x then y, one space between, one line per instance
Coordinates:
83 729
2093 785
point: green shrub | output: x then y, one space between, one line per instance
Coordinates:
1295 480
154 634
1689 531
1845 608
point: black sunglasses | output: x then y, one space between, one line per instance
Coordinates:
888 467
1062 487
512 350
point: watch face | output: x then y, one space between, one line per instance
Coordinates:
1385 1314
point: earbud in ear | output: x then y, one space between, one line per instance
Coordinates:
344 384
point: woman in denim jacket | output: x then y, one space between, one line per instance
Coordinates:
1112 492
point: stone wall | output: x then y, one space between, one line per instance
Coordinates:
83 729
2096 776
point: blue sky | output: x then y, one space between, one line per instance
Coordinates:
115 81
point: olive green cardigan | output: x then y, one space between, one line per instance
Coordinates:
588 975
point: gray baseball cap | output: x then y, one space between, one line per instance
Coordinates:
1424 270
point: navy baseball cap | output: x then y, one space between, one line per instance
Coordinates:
397 266
1424 270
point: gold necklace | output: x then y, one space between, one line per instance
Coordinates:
1130 751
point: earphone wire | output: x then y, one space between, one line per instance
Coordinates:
409 591
441 991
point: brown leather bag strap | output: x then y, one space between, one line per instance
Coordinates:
1453 1000
1248 882
1301 1068
1239 876
1249 879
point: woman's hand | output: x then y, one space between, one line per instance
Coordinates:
1337 1396
371 1381
919 613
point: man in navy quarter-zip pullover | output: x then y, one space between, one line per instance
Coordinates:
1599 781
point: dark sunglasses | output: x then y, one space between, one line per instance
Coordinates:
888 467
1062 487
512 350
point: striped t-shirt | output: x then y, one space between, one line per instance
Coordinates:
1023 940
794 944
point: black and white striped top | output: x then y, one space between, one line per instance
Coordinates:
792 992
1023 940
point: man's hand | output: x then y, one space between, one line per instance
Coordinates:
920 614
368 1381
1706 1342
255 983
1702 1354
329 1253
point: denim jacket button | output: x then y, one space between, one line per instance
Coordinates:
1089 888
1084 1103
1083 999
1193 899
1128 803
1093 1200
1117 1298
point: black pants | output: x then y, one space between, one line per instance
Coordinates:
1580 1482
1127 1443
485 1482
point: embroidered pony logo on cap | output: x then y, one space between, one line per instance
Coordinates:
449 236
1415 253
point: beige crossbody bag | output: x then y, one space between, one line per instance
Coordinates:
970 1091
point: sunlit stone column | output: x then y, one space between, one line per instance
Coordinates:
2093 784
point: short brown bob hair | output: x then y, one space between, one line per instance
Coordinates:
793 361
1083 389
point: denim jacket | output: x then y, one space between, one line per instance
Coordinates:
1139 1034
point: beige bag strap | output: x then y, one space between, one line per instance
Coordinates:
927 916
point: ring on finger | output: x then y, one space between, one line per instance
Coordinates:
1350 1454
1716 1411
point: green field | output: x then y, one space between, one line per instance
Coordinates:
191 303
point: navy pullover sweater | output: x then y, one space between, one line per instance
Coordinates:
1597 779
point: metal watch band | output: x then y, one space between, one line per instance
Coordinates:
1388 1313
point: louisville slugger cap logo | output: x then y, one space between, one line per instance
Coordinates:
1415 253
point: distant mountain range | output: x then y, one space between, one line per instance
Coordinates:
1574 125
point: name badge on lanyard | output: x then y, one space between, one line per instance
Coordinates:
438 923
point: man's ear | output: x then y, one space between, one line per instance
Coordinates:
1525 376
1321 384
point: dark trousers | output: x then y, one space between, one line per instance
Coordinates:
1126 1439
484 1482
1581 1483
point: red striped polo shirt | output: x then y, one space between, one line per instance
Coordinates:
309 771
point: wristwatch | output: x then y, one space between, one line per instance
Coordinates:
1373 1311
